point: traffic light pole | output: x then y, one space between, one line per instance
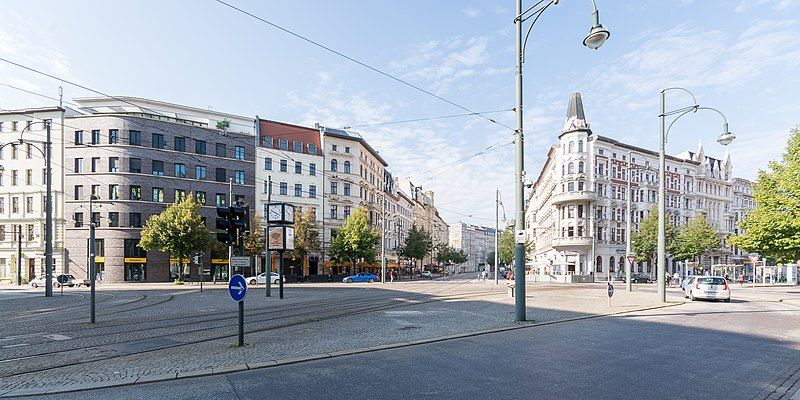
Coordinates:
266 238
230 246
280 274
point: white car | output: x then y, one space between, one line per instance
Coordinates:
69 280
426 274
707 287
261 279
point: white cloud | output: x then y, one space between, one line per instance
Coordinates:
471 12
777 5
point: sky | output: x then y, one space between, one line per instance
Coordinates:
739 56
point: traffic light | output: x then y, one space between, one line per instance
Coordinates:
232 223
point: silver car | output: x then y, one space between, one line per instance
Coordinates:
261 279
707 287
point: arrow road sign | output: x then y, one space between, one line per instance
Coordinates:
237 287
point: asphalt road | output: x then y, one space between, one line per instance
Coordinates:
700 350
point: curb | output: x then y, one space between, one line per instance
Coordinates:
222 370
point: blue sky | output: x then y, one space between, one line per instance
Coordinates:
741 56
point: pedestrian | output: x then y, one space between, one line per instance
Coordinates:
391 276
741 279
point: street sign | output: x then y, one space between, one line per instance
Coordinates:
631 258
753 258
62 279
240 261
610 290
519 236
237 287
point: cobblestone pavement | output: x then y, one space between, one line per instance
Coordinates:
156 332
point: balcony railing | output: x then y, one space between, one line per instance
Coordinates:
580 195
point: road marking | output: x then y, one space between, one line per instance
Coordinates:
796 396
51 336
15 345
403 312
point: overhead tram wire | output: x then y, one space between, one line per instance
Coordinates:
361 63
430 118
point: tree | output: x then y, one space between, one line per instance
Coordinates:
178 230
417 245
773 227
644 243
356 240
449 255
506 244
224 125
306 236
255 243
695 239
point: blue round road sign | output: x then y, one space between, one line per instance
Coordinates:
237 287
610 290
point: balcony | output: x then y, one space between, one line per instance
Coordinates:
571 243
582 195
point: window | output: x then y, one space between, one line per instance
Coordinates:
14 153
28 151
238 152
113 192
268 164
334 211
29 228
29 177
78 192
113 219
220 199
135 192
200 198
78 168
135 220
297 146
95 219
333 147
266 141
312 169
580 146
283 144
78 137
158 168
312 192
334 188
2 205
312 148
238 177
180 170
96 191
571 186
334 165
298 167
571 168
96 137
200 146
134 138
113 136
95 163
180 195
78 218
158 195
180 143
283 166
113 164
14 176
571 147
29 204
346 149
15 205
346 211
347 167
14 125
200 172
220 150
135 165
219 175
347 189
158 141
298 190
580 167
238 199
284 188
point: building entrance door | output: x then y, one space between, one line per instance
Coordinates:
31 268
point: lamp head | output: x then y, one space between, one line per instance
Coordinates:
726 138
597 35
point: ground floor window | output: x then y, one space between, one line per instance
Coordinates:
135 272
598 264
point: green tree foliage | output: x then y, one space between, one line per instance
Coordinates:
306 235
644 243
356 240
417 245
695 239
506 245
773 227
223 125
254 241
178 230
449 255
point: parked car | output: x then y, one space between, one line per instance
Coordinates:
686 281
708 287
69 280
426 274
361 277
637 278
261 279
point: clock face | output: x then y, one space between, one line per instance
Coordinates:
274 212
288 213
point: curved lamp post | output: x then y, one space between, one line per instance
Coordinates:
596 37
48 228
724 139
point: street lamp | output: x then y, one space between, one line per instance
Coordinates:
596 37
724 139
48 228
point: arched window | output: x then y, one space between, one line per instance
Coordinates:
611 264
580 146
334 165
571 147
580 167
571 168
622 263
598 264
347 167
